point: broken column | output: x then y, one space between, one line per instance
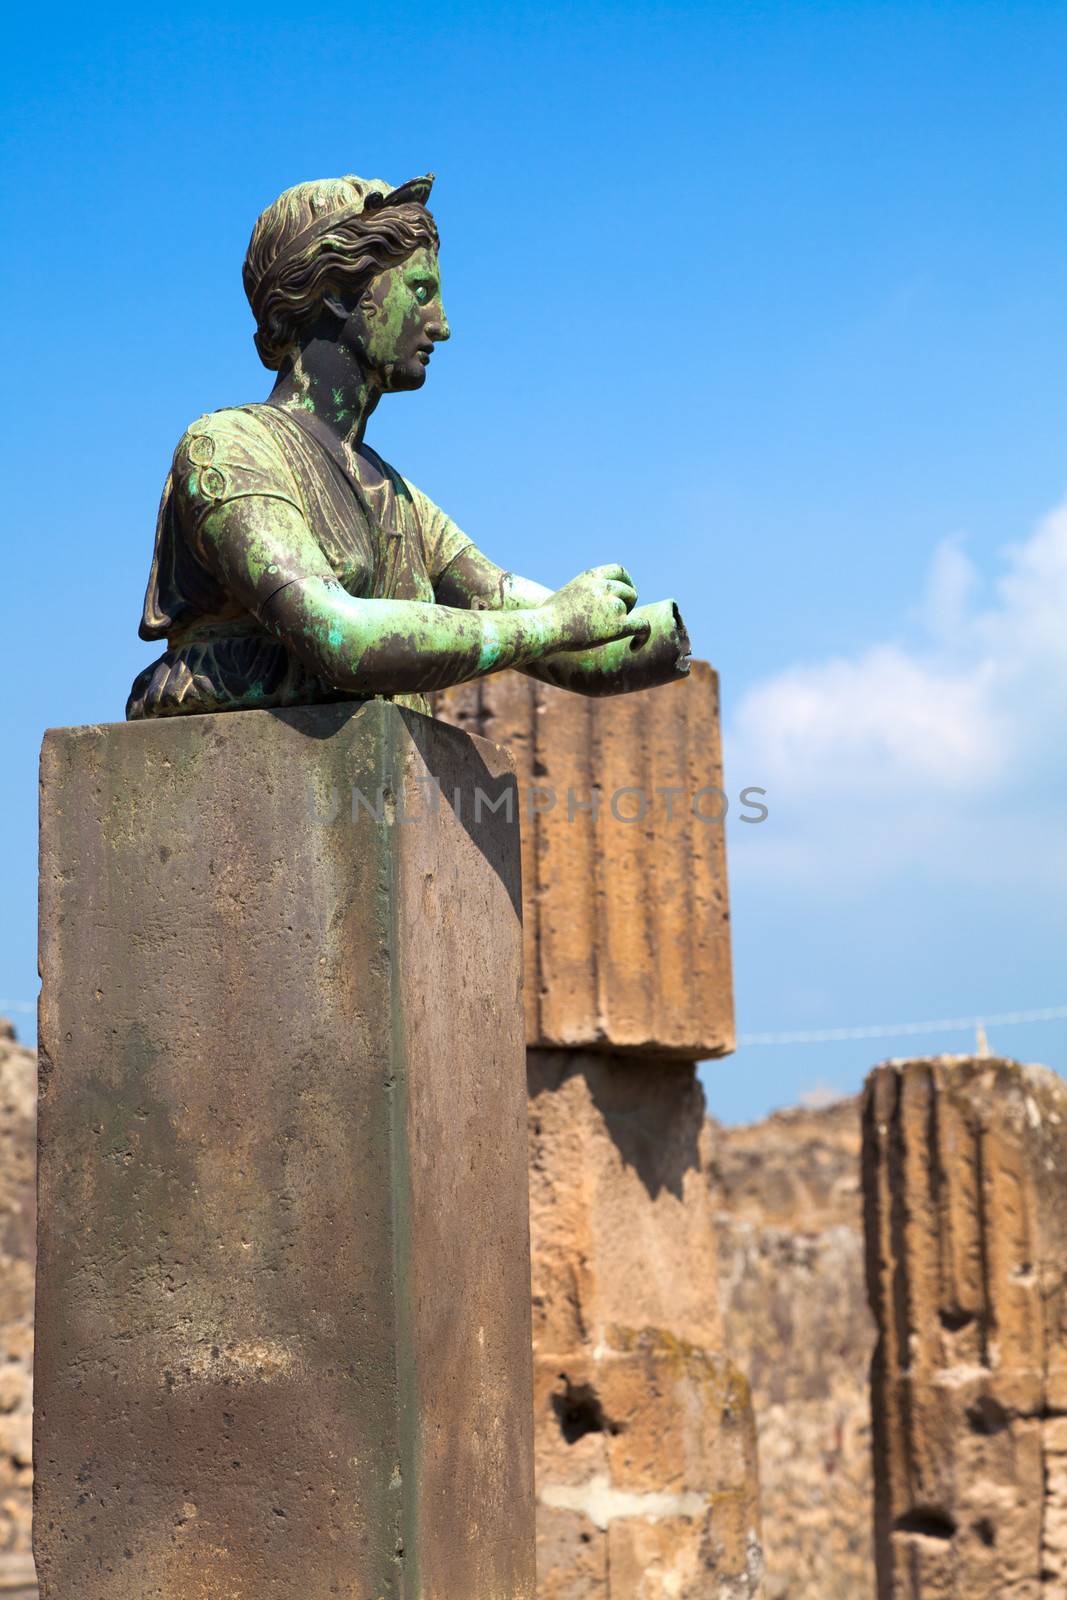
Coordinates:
966 1221
283 1340
646 1472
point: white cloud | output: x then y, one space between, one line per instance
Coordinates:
883 718
917 755
1025 631
949 587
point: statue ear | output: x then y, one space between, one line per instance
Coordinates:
333 303
341 308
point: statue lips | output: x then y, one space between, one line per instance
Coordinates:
424 352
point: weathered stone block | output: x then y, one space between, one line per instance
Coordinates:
646 1457
283 1275
966 1201
626 910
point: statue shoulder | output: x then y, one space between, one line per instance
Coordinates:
227 454
235 433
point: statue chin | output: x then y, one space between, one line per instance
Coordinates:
401 377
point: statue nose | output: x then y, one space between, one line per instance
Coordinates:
439 329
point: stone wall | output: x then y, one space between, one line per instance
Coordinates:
789 1229
966 1193
18 1105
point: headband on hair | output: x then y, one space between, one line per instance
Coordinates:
415 192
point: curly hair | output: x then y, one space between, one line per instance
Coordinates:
295 255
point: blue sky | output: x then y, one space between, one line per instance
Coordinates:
767 301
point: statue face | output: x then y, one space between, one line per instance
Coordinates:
398 321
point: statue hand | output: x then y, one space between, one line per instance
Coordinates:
595 607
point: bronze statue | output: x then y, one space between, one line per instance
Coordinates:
292 565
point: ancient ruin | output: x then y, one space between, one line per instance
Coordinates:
385 1248
701 1334
780 1203
966 1194
646 1471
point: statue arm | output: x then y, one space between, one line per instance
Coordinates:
474 583
658 654
262 550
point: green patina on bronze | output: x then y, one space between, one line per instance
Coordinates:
292 565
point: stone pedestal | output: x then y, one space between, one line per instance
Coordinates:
966 1202
283 1279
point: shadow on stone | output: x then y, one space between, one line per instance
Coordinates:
653 1113
475 795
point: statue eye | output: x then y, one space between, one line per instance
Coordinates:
423 294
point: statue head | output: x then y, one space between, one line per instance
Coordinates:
353 261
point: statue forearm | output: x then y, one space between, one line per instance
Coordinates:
403 646
661 656
474 583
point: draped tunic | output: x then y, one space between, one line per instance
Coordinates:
377 535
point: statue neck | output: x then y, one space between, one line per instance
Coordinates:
327 384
